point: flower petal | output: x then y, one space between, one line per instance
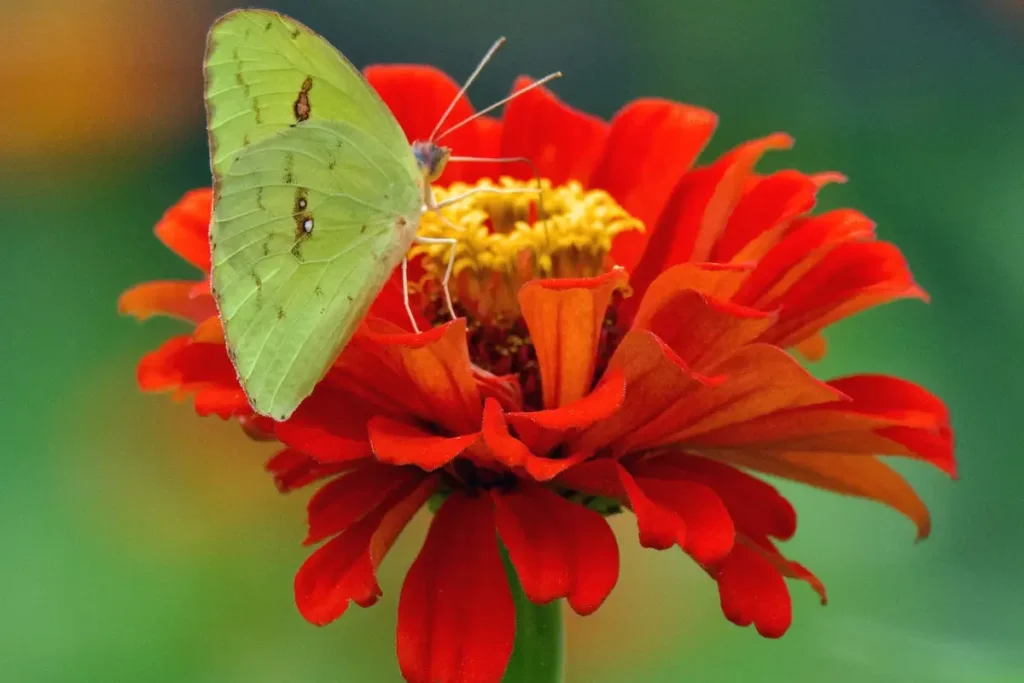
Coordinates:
759 380
456 618
696 214
344 569
756 507
565 319
328 425
763 213
881 415
863 476
292 469
651 145
426 375
702 331
182 364
185 228
564 143
418 96
400 443
345 500
559 548
709 531
753 591
513 453
170 298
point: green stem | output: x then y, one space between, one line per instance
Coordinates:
538 656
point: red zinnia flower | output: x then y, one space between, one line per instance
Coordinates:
599 364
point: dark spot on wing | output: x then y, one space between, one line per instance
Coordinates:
304 221
269 25
289 168
234 55
400 222
241 81
297 251
301 106
362 230
331 161
296 33
280 313
245 140
256 109
349 297
266 248
257 280
318 290
259 198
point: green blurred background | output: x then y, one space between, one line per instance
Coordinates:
143 544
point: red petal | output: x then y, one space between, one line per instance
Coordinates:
883 415
710 279
651 145
185 228
788 568
456 619
182 364
851 278
513 453
763 213
565 319
224 402
328 425
696 214
564 143
418 96
400 443
292 470
559 549
709 531
756 508
753 592
344 569
347 499
171 298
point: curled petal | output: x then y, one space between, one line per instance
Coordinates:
564 143
344 569
513 453
709 530
400 443
456 618
560 549
565 319
185 228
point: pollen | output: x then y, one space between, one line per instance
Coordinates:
505 239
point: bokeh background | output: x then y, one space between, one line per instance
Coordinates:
139 543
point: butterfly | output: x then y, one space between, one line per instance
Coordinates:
317 199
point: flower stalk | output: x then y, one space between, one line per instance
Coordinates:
539 652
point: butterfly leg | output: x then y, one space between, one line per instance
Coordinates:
451 242
405 294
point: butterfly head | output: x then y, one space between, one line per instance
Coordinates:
431 158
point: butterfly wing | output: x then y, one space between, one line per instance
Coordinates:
317 198
266 72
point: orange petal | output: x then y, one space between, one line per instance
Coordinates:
427 375
565 319
758 380
171 298
711 279
185 228
863 476
702 331
513 453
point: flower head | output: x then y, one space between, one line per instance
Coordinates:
624 344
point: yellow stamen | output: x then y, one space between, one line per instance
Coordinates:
504 240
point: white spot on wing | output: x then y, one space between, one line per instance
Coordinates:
307 225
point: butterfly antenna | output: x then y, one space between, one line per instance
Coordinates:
469 81
517 93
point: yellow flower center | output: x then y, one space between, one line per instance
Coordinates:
505 240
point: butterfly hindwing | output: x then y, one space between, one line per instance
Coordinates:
307 227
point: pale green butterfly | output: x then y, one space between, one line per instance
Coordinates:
317 198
